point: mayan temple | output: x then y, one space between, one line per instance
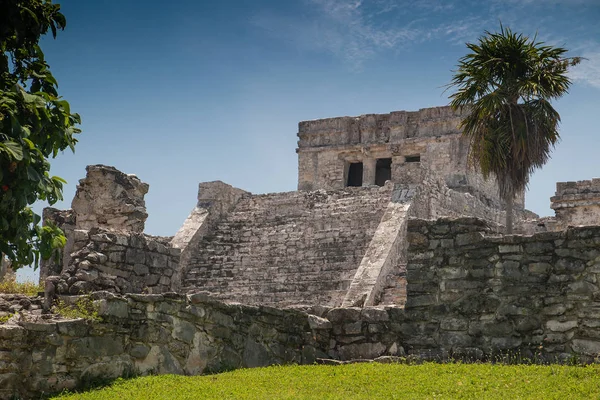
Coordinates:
392 246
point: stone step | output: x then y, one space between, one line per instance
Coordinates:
284 243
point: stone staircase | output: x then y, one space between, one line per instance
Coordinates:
287 248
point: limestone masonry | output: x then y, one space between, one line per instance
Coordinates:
391 247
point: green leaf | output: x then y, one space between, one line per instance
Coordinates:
65 105
61 22
29 143
59 179
31 14
50 79
15 150
32 174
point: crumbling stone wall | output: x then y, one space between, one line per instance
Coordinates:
105 248
475 295
147 334
119 263
11 304
288 248
576 203
109 199
470 294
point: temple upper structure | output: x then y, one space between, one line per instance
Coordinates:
423 149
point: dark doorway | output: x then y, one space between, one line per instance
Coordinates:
383 171
355 173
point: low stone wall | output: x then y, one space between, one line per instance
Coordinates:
473 293
119 263
148 334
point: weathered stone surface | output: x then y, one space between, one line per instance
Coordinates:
150 334
344 314
384 254
557 326
424 147
119 262
318 323
367 351
371 314
287 249
110 199
576 203
588 347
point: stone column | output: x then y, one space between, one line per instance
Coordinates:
369 169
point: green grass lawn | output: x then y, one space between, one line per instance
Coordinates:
367 381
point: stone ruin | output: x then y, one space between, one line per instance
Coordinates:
6 272
391 247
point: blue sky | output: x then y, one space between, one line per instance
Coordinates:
188 91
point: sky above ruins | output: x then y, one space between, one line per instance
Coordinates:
188 91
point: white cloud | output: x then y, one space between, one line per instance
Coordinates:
588 72
343 28
357 30
348 31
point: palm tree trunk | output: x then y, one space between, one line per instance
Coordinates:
509 214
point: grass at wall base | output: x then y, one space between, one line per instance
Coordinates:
366 381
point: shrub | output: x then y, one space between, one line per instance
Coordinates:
84 308
26 288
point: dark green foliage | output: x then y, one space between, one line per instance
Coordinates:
35 124
507 82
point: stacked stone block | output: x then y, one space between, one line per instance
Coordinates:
475 294
576 203
110 199
119 263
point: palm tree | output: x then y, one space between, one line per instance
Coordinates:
507 82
